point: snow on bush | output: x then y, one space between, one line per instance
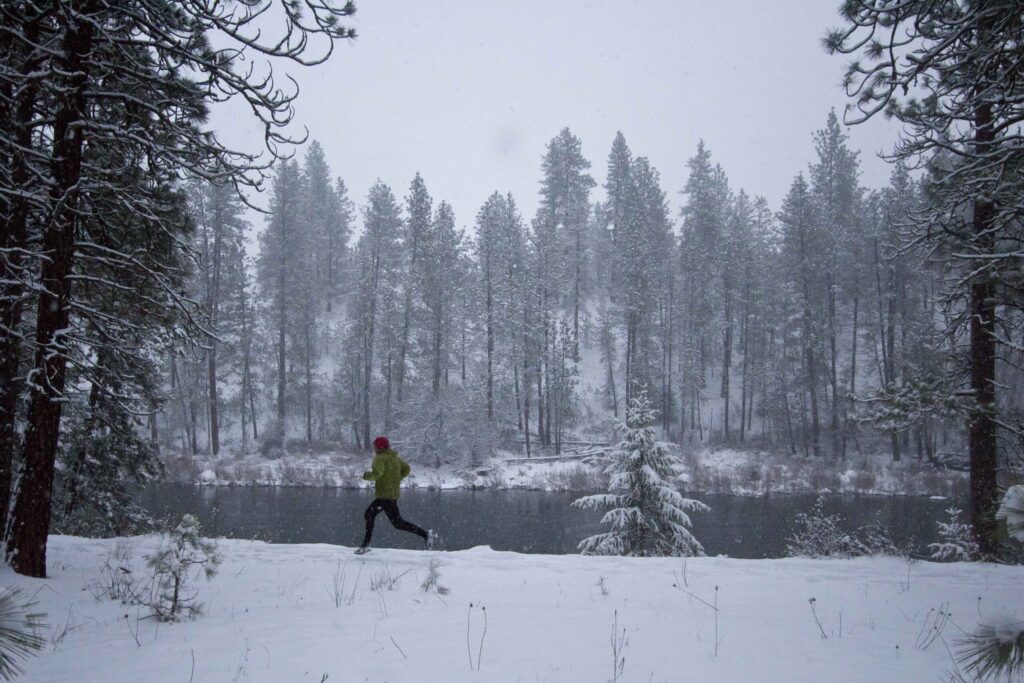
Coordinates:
175 567
817 534
650 517
957 543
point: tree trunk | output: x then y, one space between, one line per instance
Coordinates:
853 372
746 353
490 341
526 384
14 238
281 339
214 311
435 383
834 365
727 358
982 306
309 383
30 518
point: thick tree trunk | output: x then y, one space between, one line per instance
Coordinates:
14 238
30 522
982 306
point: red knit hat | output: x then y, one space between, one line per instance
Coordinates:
381 443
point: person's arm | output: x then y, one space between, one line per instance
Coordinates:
405 468
376 470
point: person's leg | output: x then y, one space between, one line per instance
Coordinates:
391 509
369 516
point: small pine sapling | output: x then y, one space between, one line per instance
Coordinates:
176 566
649 517
957 544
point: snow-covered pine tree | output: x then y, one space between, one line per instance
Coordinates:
834 192
650 290
957 543
649 517
703 217
559 231
377 266
219 246
278 270
419 207
801 264
442 246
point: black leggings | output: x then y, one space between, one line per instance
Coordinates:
390 508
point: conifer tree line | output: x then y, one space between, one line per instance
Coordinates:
814 328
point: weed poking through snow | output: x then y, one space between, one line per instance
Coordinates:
619 642
433 579
483 634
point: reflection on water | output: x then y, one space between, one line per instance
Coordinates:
522 521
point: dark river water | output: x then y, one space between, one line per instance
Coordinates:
521 521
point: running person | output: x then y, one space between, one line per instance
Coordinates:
387 472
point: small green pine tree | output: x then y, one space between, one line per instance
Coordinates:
175 567
649 517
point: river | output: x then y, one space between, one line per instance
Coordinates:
518 520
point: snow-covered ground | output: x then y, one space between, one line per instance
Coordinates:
271 616
705 470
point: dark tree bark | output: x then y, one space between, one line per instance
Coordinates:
30 523
14 238
982 305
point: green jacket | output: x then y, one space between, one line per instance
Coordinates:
387 472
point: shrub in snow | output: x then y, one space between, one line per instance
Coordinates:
433 579
649 517
876 539
995 651
117 579
1012 510
176 566
957 543
19 632
817 534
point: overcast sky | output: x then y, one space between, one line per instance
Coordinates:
469 93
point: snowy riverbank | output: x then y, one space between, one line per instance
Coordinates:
707 470
271 616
